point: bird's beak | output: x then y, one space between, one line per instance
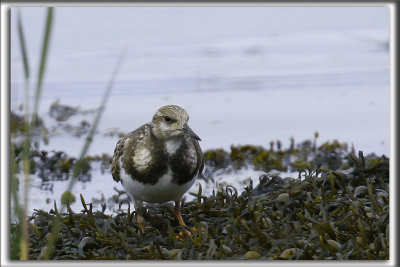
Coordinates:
186 129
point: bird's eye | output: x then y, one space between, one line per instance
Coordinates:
167 118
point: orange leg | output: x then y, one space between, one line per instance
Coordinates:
179 217
140 221
139 217
178 213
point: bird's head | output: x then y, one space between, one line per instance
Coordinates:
172 121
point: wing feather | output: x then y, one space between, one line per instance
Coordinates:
134 137
115 168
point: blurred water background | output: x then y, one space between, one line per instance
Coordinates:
246 75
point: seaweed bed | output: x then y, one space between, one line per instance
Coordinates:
337 208
324 214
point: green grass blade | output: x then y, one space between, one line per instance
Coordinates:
20 210
16 232
43 58
23 46
29 127
13 163
78 166
101 108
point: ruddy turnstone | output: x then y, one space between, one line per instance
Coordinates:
159 161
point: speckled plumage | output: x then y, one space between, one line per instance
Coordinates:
159 161
183 163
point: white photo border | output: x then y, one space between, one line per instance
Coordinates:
5 135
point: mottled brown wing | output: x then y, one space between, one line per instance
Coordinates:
135 137
115 168
200 155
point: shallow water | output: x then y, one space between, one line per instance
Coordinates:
245 75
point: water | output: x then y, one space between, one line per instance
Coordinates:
245 75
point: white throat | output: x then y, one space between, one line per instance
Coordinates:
172 145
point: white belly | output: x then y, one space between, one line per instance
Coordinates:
163 191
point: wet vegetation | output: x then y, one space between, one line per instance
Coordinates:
337 207
306 155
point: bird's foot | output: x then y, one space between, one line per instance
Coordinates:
140 221
188 233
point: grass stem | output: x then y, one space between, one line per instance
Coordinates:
78 166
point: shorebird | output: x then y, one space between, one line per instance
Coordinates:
159 161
